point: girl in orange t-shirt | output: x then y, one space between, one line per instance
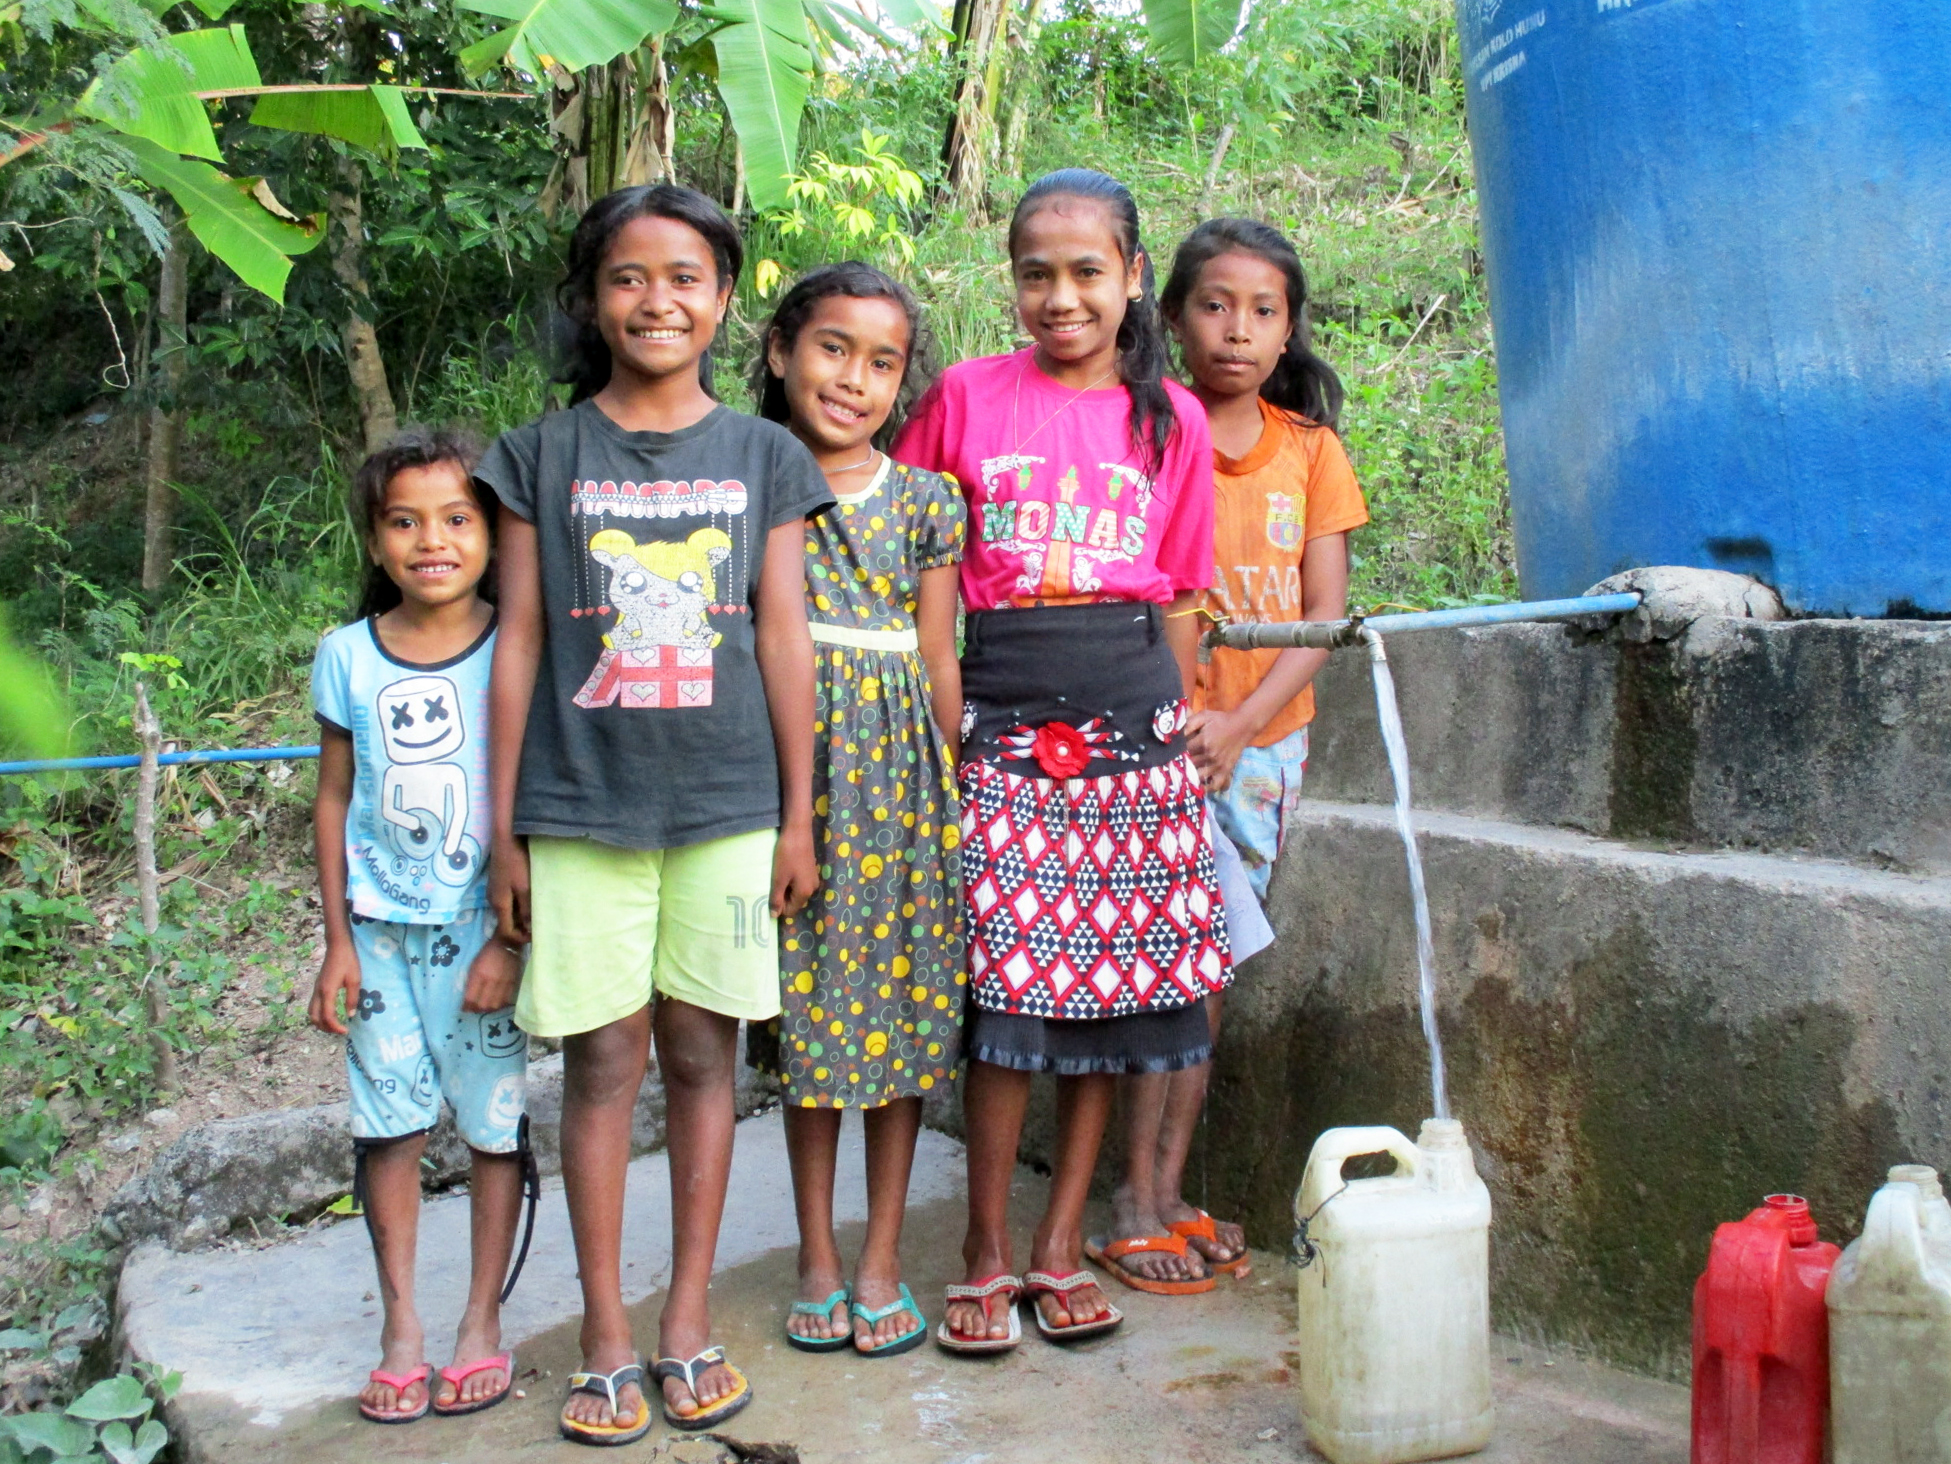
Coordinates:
1285 501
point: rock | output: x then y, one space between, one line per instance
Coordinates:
1674 598
126 1142
295 1161
160 1118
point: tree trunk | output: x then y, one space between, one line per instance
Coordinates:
616 125
981 26
171 362
379 420
149 887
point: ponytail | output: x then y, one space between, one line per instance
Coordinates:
1143 356
1301 382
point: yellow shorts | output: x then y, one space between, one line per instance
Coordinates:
613 927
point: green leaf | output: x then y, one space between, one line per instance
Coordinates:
1189 33
117 1397
33 721
138 1448
762 65
215 9
570 33
227 214
18 1339
163 81
58 1435
914 15
375 118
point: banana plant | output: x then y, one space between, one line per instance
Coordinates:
1190 33
759 53
150 110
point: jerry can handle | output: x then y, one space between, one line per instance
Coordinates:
1336 1147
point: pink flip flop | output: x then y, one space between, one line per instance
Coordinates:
399 1383
461 1372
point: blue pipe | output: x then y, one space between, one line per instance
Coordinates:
1337 634
167 760
1504 614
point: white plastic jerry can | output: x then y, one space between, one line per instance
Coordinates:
1890 1328
1395 1300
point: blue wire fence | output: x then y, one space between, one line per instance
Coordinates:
167 760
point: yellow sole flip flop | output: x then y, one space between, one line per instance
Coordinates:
605 1385
724 1408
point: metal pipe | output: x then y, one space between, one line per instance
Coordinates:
1332 635
167 760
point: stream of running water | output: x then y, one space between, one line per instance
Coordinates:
1390 717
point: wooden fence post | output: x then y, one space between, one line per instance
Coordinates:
148 888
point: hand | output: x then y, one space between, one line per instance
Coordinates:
508 889
795 872
1216 740
492 977
338 977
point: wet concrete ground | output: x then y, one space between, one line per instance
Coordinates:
1198 1379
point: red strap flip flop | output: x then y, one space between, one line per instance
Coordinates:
459 1373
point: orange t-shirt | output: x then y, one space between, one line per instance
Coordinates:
1293 485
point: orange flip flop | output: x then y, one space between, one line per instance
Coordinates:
1108 1253
399 1383
1204 1229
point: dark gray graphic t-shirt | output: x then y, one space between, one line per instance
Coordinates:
649 727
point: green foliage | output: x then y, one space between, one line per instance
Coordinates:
152 92
571 34
837 210
763 61
110 1422
233 217
374 117
1190 33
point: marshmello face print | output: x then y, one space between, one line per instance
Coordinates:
424 796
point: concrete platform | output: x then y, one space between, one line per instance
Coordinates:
273 1343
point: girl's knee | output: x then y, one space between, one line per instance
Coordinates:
603 1068
698 1068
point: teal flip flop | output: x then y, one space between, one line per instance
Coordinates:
843 1296
875 1315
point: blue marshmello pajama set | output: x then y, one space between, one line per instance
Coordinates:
417 829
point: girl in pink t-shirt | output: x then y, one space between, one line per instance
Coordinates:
1094 922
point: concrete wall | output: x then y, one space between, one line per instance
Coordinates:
1693 933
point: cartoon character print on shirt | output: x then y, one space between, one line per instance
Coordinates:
423 798
1098 518
658 653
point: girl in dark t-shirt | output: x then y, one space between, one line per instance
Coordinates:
652 731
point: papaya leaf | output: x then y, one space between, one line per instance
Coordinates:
1189 33
763 60
570 33
226 214
152 92
375 118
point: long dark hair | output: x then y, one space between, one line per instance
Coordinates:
1301 383
1142 352
413 447
854 281
585 364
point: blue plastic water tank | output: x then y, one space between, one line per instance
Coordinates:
1718 239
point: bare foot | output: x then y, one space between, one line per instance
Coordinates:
401 1353
873 1290
602 1357
1132 1219
816 1283
1228 1244
477 1338
974 1320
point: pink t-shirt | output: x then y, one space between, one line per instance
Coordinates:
1059 512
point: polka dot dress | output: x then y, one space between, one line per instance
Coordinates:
872 969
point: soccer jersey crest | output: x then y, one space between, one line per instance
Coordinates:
1286 516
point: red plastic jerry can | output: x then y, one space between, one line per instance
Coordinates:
1761 1340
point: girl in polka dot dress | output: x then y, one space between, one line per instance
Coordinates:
872 969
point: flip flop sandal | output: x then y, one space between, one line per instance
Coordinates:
724 1408
821 1309
1040 1283
1204 1229
605 1385
460 1373
1108 1254
876 1315
399 1383
981 1291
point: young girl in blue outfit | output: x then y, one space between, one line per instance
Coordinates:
871 971
412 977
652 760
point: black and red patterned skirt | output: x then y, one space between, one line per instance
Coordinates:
1087 872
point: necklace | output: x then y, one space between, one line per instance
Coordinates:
1016 397
852 466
